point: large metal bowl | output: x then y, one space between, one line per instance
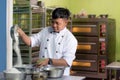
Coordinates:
14 76
54 71
41 75
28 69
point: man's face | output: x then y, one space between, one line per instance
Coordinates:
59 24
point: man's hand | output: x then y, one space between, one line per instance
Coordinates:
41 62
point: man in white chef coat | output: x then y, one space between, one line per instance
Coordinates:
57 43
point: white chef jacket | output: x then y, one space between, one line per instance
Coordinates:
56 45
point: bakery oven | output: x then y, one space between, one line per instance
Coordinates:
87 45
85 29
94 41
85 63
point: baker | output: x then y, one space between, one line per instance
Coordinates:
57 43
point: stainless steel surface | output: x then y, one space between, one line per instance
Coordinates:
69 78
28 69
114 66
46 71
14 76
63 78
39 75
54 72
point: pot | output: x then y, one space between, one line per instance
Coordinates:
54 71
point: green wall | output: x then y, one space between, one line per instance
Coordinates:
56 3
111 7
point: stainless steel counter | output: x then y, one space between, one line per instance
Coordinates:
114 66
70 78
63 78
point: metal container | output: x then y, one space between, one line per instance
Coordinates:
91 16
39 75
14 76
54 71
28 69
103 15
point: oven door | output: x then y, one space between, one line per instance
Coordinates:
87 45
85 63
85 30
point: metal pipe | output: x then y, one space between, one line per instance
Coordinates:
9 23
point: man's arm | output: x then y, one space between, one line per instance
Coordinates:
55 62
59 62
24 37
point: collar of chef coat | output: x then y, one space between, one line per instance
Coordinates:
62 32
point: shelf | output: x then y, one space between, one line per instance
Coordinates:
32 19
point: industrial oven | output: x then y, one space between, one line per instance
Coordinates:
96 46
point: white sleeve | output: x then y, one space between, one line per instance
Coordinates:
35 39
69 51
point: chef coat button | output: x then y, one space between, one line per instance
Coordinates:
43 56
47 39
59 43
50 32
56 51
62 36
45 47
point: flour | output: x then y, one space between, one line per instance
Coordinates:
13 70
13 74
15 37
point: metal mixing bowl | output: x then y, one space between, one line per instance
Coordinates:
28 69
54 71
39 75
14 76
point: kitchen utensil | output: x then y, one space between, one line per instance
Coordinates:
14 76
54 71
28 69
103 15
41 75
91 16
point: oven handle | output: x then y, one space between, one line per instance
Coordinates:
88 43
93 61
86 25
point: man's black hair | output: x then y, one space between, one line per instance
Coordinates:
60 13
